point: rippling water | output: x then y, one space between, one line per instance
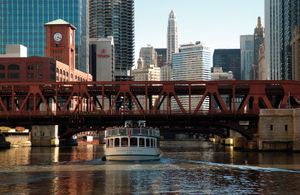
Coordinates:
80 170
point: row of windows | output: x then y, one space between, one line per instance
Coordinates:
132 142
10 67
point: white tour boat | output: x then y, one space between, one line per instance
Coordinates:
133 142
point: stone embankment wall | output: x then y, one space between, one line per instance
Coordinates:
279 129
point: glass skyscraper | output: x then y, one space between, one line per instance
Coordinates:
229 60
22 22
247 56
281 18
115 18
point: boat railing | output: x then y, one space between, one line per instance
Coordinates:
149 132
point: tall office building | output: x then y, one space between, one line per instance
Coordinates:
295 43
161 56
172 37
115 18
285 40
258 41
229 60
149 56
281 19
22 22
102 59
192 62
247 55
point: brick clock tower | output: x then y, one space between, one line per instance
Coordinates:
60 42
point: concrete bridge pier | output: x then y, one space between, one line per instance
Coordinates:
44 135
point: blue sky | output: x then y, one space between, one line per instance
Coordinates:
217 23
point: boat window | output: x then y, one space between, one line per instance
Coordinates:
111 143
144 132
142 142
117 142
124 142
147 142
135 131
123 132
133 142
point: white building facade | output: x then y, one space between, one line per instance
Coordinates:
272 38
172 37
193 62
102 59
14 50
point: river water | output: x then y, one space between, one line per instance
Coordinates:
212 170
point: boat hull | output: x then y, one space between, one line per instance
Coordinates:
132 154
132 158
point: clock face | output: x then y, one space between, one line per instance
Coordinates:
57 37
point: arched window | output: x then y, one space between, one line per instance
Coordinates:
13 67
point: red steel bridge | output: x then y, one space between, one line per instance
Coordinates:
179 104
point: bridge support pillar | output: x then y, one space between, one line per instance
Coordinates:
279 129
296 145
44 135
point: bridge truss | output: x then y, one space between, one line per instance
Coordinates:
175 102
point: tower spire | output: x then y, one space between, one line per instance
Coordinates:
259 22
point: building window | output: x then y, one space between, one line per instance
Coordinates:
13 71
2 71
13 67
13 76
286 128
271 127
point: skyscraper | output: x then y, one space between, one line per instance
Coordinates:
281 19
229 60
161 56
22 22
149 56
258 40
115 18
172 37
295 43
247 55
272 38
102 59
192 62
285 40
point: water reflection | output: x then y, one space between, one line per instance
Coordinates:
79 170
